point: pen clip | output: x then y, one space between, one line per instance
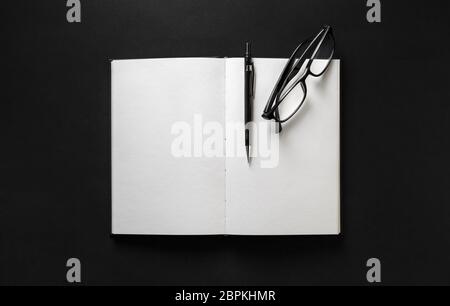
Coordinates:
252 80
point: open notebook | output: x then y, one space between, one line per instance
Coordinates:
156 192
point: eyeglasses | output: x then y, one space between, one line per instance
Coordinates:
311 57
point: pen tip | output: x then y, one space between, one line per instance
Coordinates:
248 154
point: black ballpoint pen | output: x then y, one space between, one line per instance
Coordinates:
249 91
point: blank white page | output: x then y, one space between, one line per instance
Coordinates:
154 192
301 194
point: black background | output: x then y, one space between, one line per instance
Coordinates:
55 141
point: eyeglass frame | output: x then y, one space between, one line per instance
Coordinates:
271 109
